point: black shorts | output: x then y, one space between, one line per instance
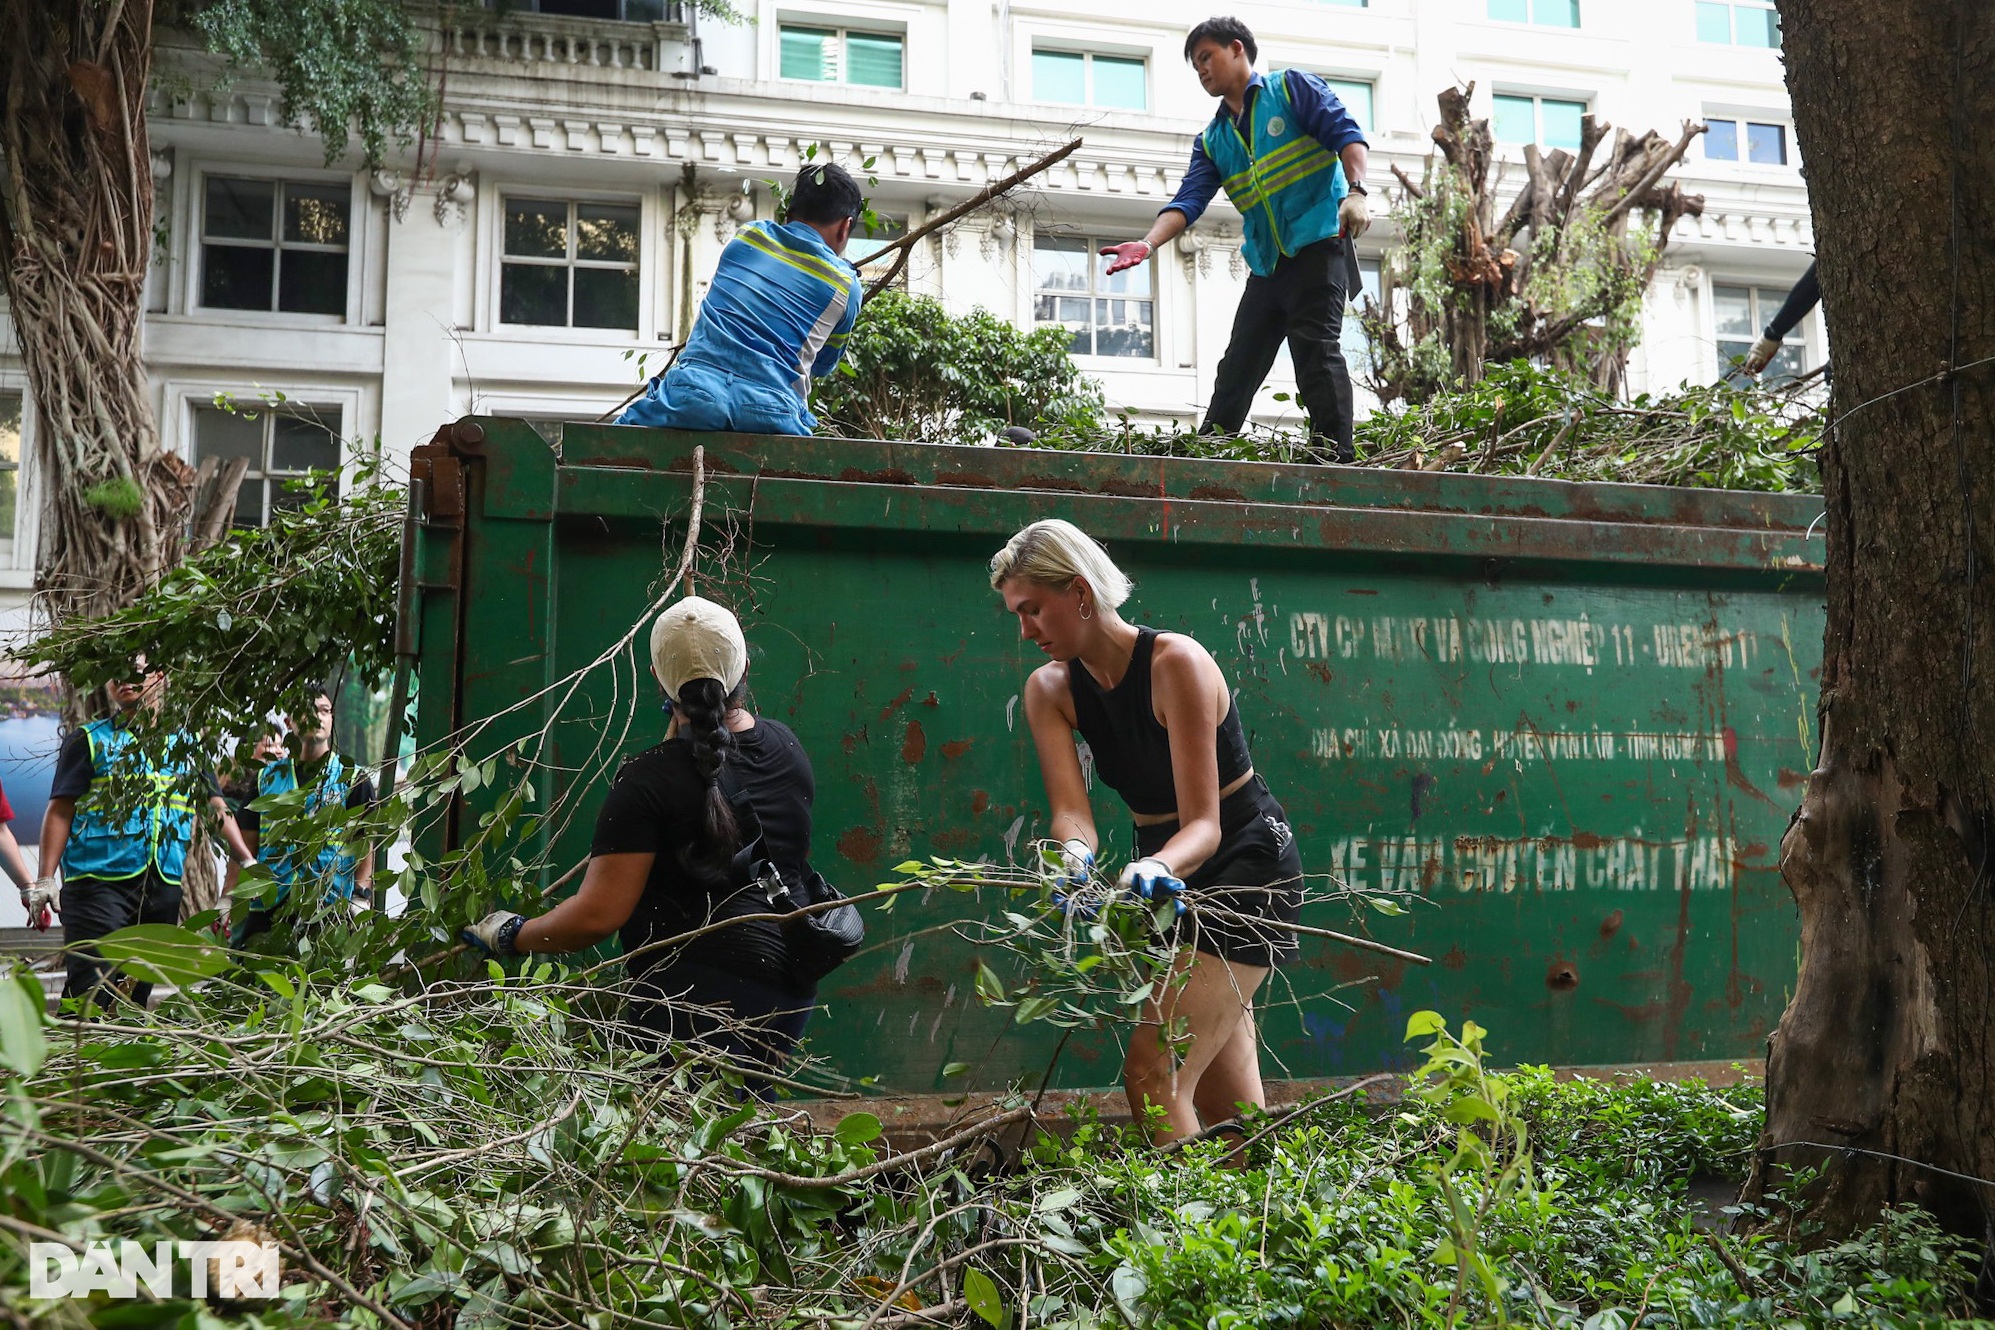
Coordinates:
1255 876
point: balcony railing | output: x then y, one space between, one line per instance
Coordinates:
523 37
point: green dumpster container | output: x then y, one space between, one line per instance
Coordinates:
1566 723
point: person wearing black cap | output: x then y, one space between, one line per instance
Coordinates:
777 315
670 856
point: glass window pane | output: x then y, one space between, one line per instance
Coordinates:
1129 282
228 435
1562 123
1714 22
237 276
316 214
249 503
1060 263
606 231
1122 328
1059 76
10 458
1721 141
240 209
806 54
1787 363
1510 11
311 281
1733 308
533 293
305 442
606 298
536 229
1357 99
1516 120
1555 13
1120 83
872 60
868 241
1767 144
1759 27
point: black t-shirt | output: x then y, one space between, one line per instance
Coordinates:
656 805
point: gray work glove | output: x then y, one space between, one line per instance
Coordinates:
495 933
42 901
1152 880
1354 216
1762 354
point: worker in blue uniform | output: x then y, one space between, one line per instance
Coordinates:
119 822
341 866
1293 161
777 315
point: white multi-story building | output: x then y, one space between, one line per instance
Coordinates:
554 230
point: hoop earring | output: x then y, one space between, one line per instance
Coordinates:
1084 611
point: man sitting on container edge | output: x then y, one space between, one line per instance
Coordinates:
781 305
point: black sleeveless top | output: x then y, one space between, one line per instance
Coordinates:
1132 752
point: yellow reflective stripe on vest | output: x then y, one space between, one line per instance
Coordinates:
1308 166
801 262
1285 154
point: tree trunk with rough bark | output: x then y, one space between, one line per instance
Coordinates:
1882 1070
76 235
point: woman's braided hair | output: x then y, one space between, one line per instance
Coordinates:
703 705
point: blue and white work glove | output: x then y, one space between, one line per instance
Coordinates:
496 933
1152 881
1075 864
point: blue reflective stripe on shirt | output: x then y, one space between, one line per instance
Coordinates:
1317 110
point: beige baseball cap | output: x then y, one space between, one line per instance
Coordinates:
697 639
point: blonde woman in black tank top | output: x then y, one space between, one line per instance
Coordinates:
1146 700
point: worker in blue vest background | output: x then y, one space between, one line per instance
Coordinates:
341 870
1293 162
777 315
119 822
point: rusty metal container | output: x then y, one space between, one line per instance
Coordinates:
1567 723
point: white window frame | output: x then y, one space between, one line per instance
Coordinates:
190 216
1742 117
1768 295
1538 96
1097 235
17 571
1733 20
651 220
1087 77
844 27
1530 8
359 422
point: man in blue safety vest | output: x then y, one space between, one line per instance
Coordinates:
342 870
777 315
119 822
1293 162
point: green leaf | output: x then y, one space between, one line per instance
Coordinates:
989 987
955 1069
981 1292
1422 1023
857 1129
22 1045
164 954
1471 1108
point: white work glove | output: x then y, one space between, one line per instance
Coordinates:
494 934
1126 255
1072 865
1152 880
1354 216
42 901
1762 354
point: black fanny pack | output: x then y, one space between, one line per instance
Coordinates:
814 944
